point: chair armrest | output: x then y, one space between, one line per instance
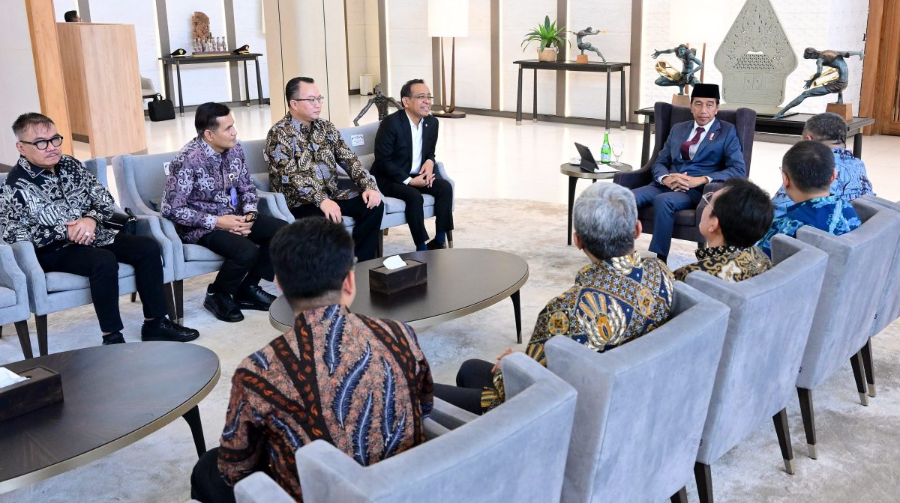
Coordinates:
168 229
11 276
442 173
709 187
433 429
633 179
268 206
260 488
151 227
449 416
280 203
34 273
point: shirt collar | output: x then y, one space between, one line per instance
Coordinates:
706 128
299 126
34 171
411 123
623 264
208 151
802 204
716 251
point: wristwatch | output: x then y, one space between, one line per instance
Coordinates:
251 216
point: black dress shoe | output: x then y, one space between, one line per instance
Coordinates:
165 329
254 297
434 245
113 338
223 307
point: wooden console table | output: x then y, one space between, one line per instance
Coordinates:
571 66
170 61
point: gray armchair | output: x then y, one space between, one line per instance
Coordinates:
141 180
758 370
515 453
57 291
259 173
854 282
641 406
14 298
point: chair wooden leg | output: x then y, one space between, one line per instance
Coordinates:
170 301
703 476
381 243
856 361
384 232
809 419
24 339
869 366
450 239
178 287
133 296
784 440
1 331
680 496
41 325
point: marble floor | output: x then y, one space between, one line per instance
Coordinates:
491 157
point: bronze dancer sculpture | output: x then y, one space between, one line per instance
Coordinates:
688 59
835 61
381 103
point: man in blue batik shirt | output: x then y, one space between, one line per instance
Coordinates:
851 181
807 172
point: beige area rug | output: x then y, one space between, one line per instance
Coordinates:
858 446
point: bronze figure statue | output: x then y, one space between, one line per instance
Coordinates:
587 46
835 80
668 76
381 103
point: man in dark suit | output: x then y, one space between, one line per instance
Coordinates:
697 152
404 164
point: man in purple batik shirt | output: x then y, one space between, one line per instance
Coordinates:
212 201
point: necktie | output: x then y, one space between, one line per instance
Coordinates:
686 146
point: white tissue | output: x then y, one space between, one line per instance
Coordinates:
8 378
394 262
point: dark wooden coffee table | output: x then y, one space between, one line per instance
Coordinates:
461 281
114 396
575 173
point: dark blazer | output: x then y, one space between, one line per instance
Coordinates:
393 146
719 155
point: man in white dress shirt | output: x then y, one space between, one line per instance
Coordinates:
404 164
697 152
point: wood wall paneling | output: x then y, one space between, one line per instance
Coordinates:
48 67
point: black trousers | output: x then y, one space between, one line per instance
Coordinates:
473 376
207 484
415 214
247 258
366 228
101 265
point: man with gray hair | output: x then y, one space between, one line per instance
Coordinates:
850 181
616 298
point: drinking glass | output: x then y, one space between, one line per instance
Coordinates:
618 149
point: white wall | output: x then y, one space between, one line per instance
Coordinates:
373 42
17 80
142 14
409 46
248 29
357 58
832 24
203 82
516 19
60 7
473 59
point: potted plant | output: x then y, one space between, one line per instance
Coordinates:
550 38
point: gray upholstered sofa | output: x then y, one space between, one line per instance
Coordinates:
14 298
757 373
642 406
854 282
515 453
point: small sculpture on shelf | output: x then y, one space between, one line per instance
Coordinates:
587 46
381 104
833 80
200 24
669 76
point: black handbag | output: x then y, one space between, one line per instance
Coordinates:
122 222
160 109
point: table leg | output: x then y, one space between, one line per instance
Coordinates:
167 84
519 100
517 307
259 94
645 148
246 84
193 420
180 96
608 83
572 182
857 145
622 118
534 106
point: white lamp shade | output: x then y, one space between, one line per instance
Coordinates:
448 18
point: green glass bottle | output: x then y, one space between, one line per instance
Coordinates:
605 151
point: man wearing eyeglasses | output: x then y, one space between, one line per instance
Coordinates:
304 153
404 164
51 201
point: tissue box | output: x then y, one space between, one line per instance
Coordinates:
384 280
43 388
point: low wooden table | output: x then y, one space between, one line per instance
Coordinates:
113 396
461 281
575 173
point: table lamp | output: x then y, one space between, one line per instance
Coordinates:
448 18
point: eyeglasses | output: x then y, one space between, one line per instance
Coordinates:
43 144
317 99
423 97
707 198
